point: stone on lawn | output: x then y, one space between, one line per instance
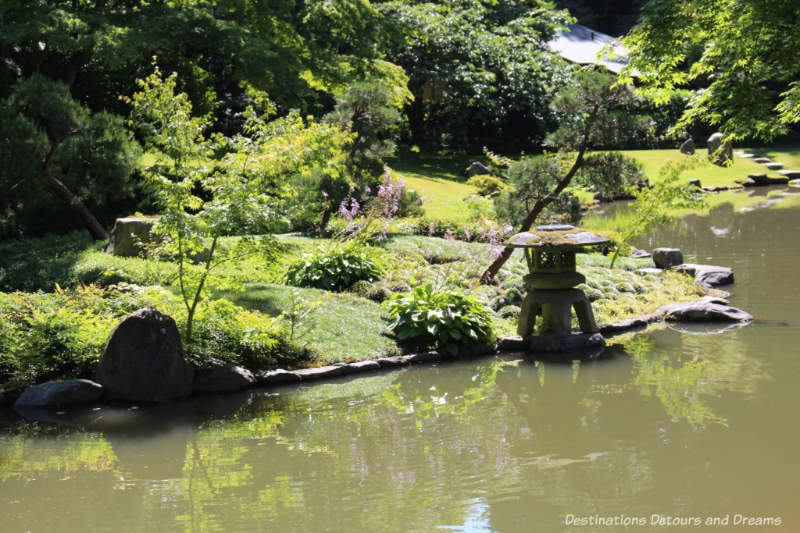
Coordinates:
60 394
667 257
321 372
715 141
220 376
774 166
688 147
477 168
127 231
143 360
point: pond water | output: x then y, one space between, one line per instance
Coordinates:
680 424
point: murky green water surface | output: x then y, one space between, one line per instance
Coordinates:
676 423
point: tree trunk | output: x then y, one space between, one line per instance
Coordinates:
80 209
416 120
63 192
490 273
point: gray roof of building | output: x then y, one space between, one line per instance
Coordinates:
580 44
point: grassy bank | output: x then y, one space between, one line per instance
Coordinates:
89 291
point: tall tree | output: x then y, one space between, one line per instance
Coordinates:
739 57
226 52
479 71
48 140
593 112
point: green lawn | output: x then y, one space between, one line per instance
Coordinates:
441 181
710 175
343 327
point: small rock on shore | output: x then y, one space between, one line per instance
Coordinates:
60 394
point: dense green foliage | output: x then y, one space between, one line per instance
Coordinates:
47 137
246 191
227 53
614 17
737 56
62 334
610 174
487 184
530 180
479 71
336 268
431 318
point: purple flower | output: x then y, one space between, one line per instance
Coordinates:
351 212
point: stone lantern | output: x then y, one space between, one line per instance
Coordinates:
550 289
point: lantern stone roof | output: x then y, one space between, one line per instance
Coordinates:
555 236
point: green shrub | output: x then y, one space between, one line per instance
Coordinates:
530 180
487 185
427 318
335 269
62 335
610 174
228 332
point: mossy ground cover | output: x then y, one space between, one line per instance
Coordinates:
344 326
330 326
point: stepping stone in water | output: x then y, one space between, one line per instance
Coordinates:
758 180
791 174
762 160
774 166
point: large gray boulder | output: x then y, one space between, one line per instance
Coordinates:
143 360
688 147
219 376
714 143
127 231
704 311
477 168
708 275
60 394
667 257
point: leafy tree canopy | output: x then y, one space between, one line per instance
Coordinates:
739 55
228 53
479 71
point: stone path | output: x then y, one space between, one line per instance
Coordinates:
786 174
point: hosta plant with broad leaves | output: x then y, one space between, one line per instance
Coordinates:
430 318
337 268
